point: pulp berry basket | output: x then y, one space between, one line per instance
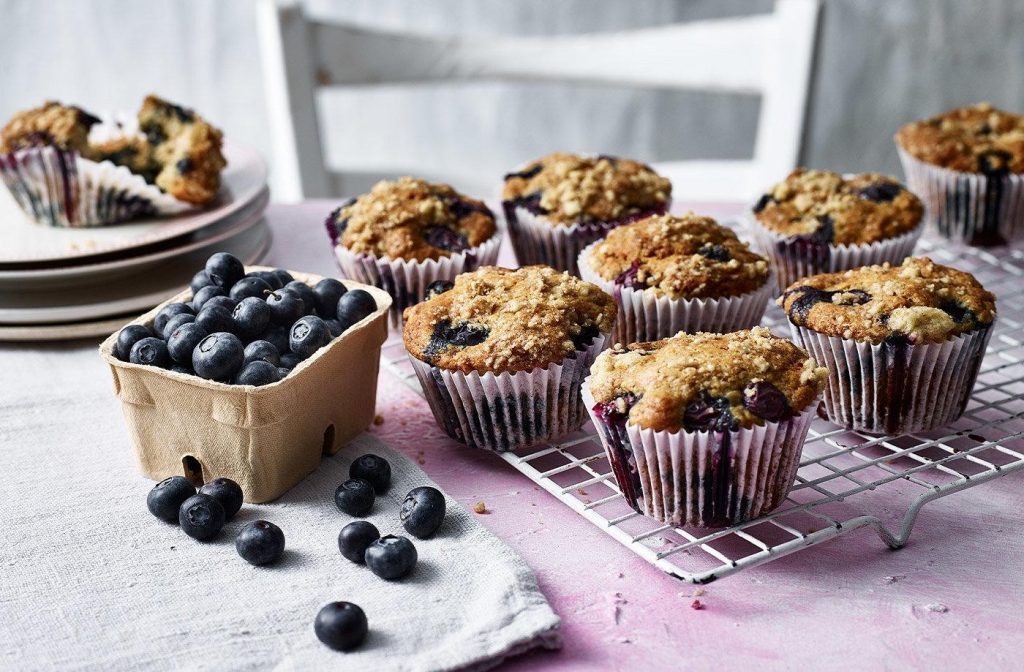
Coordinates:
265 438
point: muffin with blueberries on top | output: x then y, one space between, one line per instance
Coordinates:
501 354
403 236
704 430
670 274
817 221
968 166
561 203
903 344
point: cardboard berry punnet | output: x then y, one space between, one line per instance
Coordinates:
266 438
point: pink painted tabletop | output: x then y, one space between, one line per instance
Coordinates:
953 597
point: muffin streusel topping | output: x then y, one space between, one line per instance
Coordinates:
978 139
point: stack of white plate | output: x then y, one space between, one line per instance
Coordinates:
59 283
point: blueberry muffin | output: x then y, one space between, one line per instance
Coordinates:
561 203
968 165
63 126
502 353
683 422
903 344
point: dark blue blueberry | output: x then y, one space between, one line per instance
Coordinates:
881 192
276 335
341 625
250 287
391 557
214 317
282 372
260 543
183 341
154 134
150 351
169 311
438 287
285 308
176 321
355 537
335 223
616 411
335 327
225 302
714 253
423 511
766 401
460 335
327 292
258 374
290 360
808 297
529 202
251 317
628 277
958 312
201 517
586 336
224 269
128 337
763 202
200 280
826 231
304 292
218 356
461 208
283 276
354 306
275 281
203 296
709 413
372 468
444 238
994 162
181 368
167 496
526 173
262 351
308 335
227 492
184 166
354 497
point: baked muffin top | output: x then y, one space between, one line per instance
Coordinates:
411 219
829 208
496 319
978 139
686 257
703 381
920 301
64 126
569 189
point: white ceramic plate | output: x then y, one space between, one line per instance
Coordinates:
137 292
65 332
22 240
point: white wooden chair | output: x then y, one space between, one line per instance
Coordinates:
770 55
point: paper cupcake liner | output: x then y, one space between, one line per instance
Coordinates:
60 188
704 479
407 281
502 412
536 241
643 315
896 388
971 208
795 259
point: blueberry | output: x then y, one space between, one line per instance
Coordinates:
251 317
335 327
304 292
958 312
184 166
282 372
227 492
444 238
269 277
250 287
341 626
285 307
763 202
218 356
881 192
176 321
276 335
627 278
283 276
181 368
257 373
616 411
308 335
525 174
327 292
200 298
290 360
260 543
150 351
585 336
201 517
183 341
167 496
215 318
225 302
461 208
355 537
766 401
354 306
262 351
461 335
994 162
423 511
169 311
128 337
200 280
438 287
374 469
391 557
709 413
354 497
808 297
224 269
714 253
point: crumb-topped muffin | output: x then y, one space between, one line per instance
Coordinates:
920 300
977 139
503 320
64 126
411 219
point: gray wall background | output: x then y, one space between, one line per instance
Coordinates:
879 63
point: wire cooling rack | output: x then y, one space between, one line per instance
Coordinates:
846 480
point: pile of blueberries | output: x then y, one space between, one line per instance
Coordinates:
244 328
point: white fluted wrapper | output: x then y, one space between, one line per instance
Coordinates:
407 280
643 315
681 477
893 388
506 411
60 188
972 208
792 260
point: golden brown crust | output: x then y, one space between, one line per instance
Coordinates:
685 257
413 219
862 209
573 189
921 300
977 139
498 319
63 126
664 379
